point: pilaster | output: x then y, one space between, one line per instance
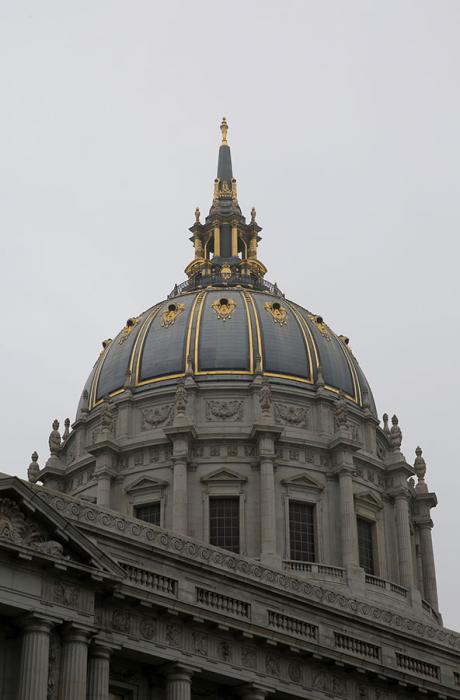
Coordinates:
181 435
266 436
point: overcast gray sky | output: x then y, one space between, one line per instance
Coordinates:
344 125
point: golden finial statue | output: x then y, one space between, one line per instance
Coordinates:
224 129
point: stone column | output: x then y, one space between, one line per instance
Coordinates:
406 573
180 497
253 692
348 525
33 669
267 510
98 672
179 683
73 665
428 567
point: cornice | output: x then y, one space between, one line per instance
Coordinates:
176 545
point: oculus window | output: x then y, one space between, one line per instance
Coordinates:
224 522
301 531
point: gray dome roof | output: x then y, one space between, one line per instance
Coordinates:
224 334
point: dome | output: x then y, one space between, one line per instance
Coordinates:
228 414
223 333
226 321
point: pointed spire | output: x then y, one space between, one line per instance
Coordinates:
224 164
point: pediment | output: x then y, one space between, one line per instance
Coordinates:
35 530
369 500
223 475
304 482
145 483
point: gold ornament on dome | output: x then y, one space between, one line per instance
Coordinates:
224 308
321 326
169 315
226 272
128 329
279 313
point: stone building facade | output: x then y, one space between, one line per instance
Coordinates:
227 516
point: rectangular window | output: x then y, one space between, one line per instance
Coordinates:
301 531
151 513
224 522
366 546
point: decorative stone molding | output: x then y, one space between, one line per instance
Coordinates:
216 558
289 414
157 416
231 410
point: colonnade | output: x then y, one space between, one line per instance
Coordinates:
85 666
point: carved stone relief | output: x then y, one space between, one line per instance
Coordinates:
173 634
272 664
288 414
200 643
157 416
121 620
249 657
231 410
224 651
147 628
18 529
66 594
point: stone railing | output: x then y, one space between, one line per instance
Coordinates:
223 603
320 570
423 668
386 585
431 611
149 579
292 625
356 646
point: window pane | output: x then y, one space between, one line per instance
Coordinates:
301 531
224 523
150 513
366 546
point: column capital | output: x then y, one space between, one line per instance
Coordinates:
74 633
180 671
34 622
400 494
100 651
424 523
254 691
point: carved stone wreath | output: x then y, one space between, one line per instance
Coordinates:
224 410
296 416
155 417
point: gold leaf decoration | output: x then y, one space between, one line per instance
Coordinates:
321 326
128 329
279 313
224 308
169 315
